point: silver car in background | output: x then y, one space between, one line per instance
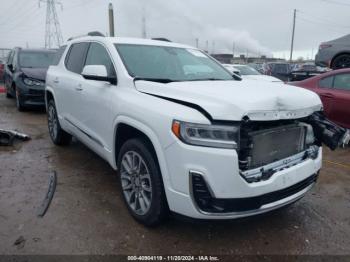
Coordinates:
334 54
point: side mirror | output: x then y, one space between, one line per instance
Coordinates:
10 66
236 77
97 73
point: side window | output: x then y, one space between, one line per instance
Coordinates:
342 81
98 55
326 82
76 57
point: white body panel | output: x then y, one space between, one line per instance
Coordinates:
92 110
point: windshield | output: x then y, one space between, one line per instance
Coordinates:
36 59
174 64
247 70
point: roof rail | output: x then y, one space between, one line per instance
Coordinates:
161 39
96 33
93 33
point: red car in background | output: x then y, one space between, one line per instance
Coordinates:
2 68
334 90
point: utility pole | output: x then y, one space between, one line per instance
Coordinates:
207 46
213 48
233 49
197 42
144 29
53 34
111 20
292 45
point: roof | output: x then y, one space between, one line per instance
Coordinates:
131 40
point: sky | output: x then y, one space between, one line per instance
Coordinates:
250 27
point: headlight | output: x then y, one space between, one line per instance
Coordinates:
220 136
32 82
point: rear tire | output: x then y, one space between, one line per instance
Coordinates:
342 61
141 183
57 134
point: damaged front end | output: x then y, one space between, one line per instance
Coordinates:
267 147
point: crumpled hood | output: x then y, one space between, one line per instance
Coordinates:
35 73
233 100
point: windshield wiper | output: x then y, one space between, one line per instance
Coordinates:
159 80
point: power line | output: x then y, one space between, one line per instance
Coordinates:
323 20
21 22
336 2
334 28
19 12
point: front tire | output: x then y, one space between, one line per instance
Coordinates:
57 134
141 182
19 103
8 95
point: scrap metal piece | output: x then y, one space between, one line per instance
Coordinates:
7 137
49 195
327 132
346 139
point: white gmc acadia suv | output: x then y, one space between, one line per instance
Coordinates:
184 135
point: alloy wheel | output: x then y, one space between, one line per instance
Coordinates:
136 182
342 62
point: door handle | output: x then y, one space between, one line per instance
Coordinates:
56 81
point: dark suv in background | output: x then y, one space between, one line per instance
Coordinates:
279 70
334 54
25 73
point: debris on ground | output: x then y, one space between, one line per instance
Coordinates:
49 195
20 242
7 137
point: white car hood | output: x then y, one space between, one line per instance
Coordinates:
262 78
233 100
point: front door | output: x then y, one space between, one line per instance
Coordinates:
95 112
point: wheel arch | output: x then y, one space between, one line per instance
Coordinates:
126 128
49 94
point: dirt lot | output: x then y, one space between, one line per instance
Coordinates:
87 215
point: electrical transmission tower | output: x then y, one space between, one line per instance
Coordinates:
53 34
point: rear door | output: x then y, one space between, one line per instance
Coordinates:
340 112
69 82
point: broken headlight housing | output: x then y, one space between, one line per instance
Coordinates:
219 136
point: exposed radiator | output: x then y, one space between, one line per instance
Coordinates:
270 145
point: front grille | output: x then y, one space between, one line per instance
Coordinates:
36 92
270 145
210 204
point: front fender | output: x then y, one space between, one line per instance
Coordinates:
122 119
